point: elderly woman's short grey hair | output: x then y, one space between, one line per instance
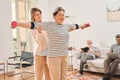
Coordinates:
57 10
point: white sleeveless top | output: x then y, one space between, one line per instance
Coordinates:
41 47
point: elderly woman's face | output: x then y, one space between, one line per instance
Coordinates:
59 18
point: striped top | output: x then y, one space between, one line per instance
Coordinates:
58 37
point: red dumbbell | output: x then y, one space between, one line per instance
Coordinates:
14 24
86 25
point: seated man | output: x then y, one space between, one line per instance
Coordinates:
88 53
113 60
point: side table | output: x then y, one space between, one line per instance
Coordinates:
3 64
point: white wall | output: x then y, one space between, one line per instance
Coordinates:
101 31
5 30
43 5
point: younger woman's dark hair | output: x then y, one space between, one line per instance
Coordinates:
57 10
32 12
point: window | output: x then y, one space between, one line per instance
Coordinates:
20 12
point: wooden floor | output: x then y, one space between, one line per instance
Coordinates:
28 76
13 75
16 77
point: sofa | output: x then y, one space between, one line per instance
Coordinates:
96 65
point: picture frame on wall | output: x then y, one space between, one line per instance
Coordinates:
113 10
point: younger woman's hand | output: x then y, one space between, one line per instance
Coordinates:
39 29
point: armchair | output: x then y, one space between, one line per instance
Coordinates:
20 62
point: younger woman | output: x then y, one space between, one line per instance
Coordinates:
40 52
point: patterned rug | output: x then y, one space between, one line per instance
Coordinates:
72 76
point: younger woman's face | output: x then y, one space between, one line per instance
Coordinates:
59 18
37 16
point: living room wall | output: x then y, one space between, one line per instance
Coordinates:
43 5
101 31
5 30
